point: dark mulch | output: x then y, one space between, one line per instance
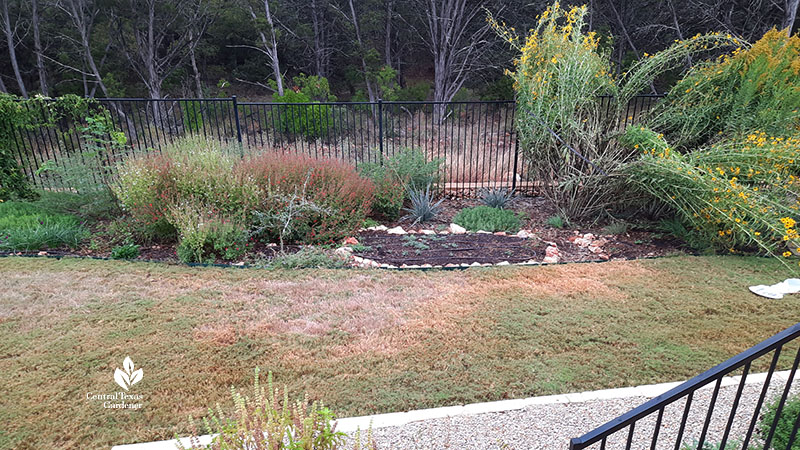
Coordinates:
417 249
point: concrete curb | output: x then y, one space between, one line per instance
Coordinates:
351 424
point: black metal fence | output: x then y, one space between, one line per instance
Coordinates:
692 416
475 140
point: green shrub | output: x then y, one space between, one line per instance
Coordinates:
309 121
99 205
397 175
192 167
19 115
269 419
125 251
616 227
308 258
785 425
559 75
677 229
205 235
208 194
193 188
126 229
27 227
722 150
342 197
414 92
390 193
488 219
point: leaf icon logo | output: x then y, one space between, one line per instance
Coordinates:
128 377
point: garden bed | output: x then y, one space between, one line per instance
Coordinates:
449 250
439 247
433 244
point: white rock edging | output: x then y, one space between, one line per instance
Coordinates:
351 424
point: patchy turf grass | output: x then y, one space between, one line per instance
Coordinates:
363 341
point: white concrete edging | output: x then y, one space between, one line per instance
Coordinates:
351 424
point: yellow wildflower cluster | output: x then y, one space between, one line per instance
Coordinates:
748 88
741 193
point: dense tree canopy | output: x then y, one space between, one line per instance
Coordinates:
401 49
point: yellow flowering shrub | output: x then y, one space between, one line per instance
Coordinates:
559 76
755 88
737 195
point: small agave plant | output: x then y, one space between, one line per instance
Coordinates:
497 197
423 208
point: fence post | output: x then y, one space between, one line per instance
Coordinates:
380 127
238 126
516 157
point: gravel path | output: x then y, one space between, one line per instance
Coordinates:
550 426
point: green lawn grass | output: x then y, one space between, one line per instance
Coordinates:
362 341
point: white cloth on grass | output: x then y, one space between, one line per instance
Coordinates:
778 290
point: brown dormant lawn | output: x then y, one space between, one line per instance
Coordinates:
362 341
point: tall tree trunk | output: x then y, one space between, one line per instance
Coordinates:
371 92
387 56
3 86
678 29
270 45
12 51
81 19
319 27
198 84
790 16
454 44
628 38
37 47
276 66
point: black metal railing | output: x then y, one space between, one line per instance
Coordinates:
685 417
475 140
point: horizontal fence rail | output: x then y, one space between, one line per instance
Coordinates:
693 416
475 140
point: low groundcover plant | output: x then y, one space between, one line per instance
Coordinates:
269 420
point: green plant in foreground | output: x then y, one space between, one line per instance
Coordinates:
422 208
308 258
27 227
206 235
268 419
125 251
497 197
556 221
488 219
785 423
